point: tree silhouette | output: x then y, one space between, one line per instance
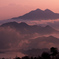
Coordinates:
46 55
39 57
57 56
54 51
31 57
17 58
35 57
3 58
25 57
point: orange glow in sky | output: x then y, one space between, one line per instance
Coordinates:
14 8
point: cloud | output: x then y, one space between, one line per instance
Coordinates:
55 24
9 38
12 40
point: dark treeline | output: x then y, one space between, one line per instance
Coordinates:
45 55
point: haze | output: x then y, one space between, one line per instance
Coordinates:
15 8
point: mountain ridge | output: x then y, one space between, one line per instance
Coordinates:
39 14
44 41
25 28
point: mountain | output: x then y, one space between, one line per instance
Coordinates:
39 14
10 24
14 24
41 42
50 39
30 29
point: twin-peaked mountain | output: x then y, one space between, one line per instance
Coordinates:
30 29
39 14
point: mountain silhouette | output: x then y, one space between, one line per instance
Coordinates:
14 24
48 11
29 29
48 39
35 52
34 43
39 14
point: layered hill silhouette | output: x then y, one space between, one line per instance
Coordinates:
35 52
30 29
39 14
30 42
34 43
50 39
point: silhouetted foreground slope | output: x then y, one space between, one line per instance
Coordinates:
54 54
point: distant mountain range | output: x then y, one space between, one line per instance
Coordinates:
26 37
49 39
39 14
24 28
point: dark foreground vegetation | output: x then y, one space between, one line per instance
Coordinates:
54 54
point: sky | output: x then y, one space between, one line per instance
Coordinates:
15 8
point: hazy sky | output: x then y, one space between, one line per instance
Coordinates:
14 8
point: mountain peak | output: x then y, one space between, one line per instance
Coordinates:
23 24
51 37
38 9
49 27
47 10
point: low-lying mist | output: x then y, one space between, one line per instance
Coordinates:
12 40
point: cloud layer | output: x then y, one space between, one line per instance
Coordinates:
11 40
